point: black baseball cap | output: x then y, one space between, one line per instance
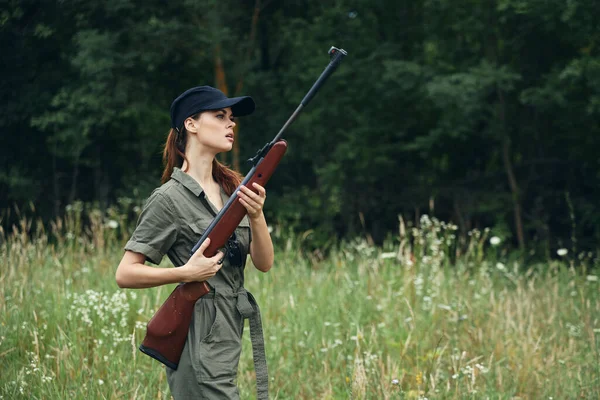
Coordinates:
204 98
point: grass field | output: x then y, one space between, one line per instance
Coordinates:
421 317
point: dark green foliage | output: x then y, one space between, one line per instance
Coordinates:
489 112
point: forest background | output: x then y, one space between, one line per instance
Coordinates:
481 113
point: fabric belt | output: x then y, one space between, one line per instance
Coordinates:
248 308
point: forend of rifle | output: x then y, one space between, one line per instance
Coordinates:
233 216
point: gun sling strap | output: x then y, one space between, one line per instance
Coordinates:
248 308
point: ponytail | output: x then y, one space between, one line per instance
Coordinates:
174 152
174 155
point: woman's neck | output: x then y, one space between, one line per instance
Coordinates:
200 168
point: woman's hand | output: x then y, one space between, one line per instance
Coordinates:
251 201
200 268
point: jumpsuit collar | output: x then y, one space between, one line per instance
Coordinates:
187 181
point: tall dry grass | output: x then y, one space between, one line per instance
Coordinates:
427 315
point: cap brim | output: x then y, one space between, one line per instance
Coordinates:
240 106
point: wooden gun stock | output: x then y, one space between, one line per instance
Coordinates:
167 330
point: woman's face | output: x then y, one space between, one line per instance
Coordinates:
213 129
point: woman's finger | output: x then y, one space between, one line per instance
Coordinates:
218 258
251 209
202 248
250 193
261 190
255 201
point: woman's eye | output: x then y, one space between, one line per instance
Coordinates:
220 116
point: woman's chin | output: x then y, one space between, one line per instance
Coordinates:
224 149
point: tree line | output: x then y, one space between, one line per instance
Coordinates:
481 113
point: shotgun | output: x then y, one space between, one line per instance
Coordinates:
167 330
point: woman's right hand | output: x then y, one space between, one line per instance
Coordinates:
200 268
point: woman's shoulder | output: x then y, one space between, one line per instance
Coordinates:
166 189
162 196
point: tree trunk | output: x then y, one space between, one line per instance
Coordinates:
221 84
493 55
512 181
73 193
55 185
101 182
221 81
459 214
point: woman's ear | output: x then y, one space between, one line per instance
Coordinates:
190 125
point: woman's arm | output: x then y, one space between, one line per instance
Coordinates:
261 246
133 273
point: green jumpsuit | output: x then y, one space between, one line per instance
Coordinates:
173 220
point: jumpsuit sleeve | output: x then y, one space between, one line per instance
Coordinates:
156 229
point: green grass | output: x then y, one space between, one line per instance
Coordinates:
396 322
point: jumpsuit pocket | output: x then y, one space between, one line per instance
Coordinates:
199 226
203 324
217 354
193 231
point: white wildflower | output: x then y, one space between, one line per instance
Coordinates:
112 224
495 240
482 368
395 381
383 256
100 382
562 252
500 266
592 278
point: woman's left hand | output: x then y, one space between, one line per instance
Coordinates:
251 201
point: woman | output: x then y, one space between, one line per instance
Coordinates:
195 187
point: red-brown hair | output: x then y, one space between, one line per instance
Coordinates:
174 155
